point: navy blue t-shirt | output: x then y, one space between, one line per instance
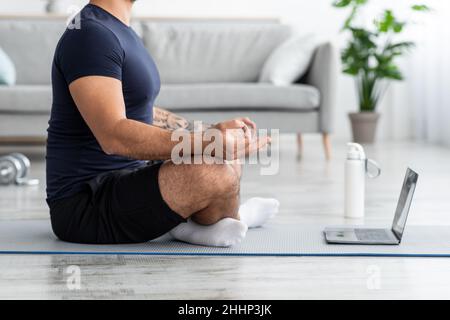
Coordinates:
101 46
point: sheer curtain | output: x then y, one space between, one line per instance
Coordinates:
429 71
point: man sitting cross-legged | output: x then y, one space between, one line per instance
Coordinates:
254 212
101 135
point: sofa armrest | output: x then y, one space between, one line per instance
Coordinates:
323 74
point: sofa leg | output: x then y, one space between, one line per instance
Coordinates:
327 145
299 146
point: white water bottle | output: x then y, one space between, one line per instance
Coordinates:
355 181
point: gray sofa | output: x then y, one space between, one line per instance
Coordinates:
209 72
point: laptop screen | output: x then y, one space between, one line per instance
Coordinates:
404 203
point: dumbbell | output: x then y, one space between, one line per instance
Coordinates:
14 168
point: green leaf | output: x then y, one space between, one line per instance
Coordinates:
342 3
398 27
386 23
353 71
346 3
389 71
399 47
421 7
389 23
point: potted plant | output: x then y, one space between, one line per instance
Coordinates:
370 57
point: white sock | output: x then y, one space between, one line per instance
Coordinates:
225 233
255 212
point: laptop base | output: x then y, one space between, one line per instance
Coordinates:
361 236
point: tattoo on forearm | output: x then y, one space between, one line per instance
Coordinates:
167 120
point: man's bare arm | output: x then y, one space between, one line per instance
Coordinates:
101 104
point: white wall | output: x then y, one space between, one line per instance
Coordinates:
316 16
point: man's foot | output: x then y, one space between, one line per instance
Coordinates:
225 233
255 212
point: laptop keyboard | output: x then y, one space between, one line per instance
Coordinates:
372 234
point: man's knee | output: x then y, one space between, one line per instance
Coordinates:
220 179
188 189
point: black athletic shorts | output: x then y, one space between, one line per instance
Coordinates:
117 207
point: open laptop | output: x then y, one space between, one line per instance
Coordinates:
393 236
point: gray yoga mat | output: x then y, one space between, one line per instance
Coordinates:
276 239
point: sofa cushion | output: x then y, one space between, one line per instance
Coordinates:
235 96
289 61
38 98
201 52
31 44
7 70
26 99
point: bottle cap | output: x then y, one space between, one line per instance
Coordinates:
355 152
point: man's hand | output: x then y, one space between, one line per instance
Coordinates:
239 138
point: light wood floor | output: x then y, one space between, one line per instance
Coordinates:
309 191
